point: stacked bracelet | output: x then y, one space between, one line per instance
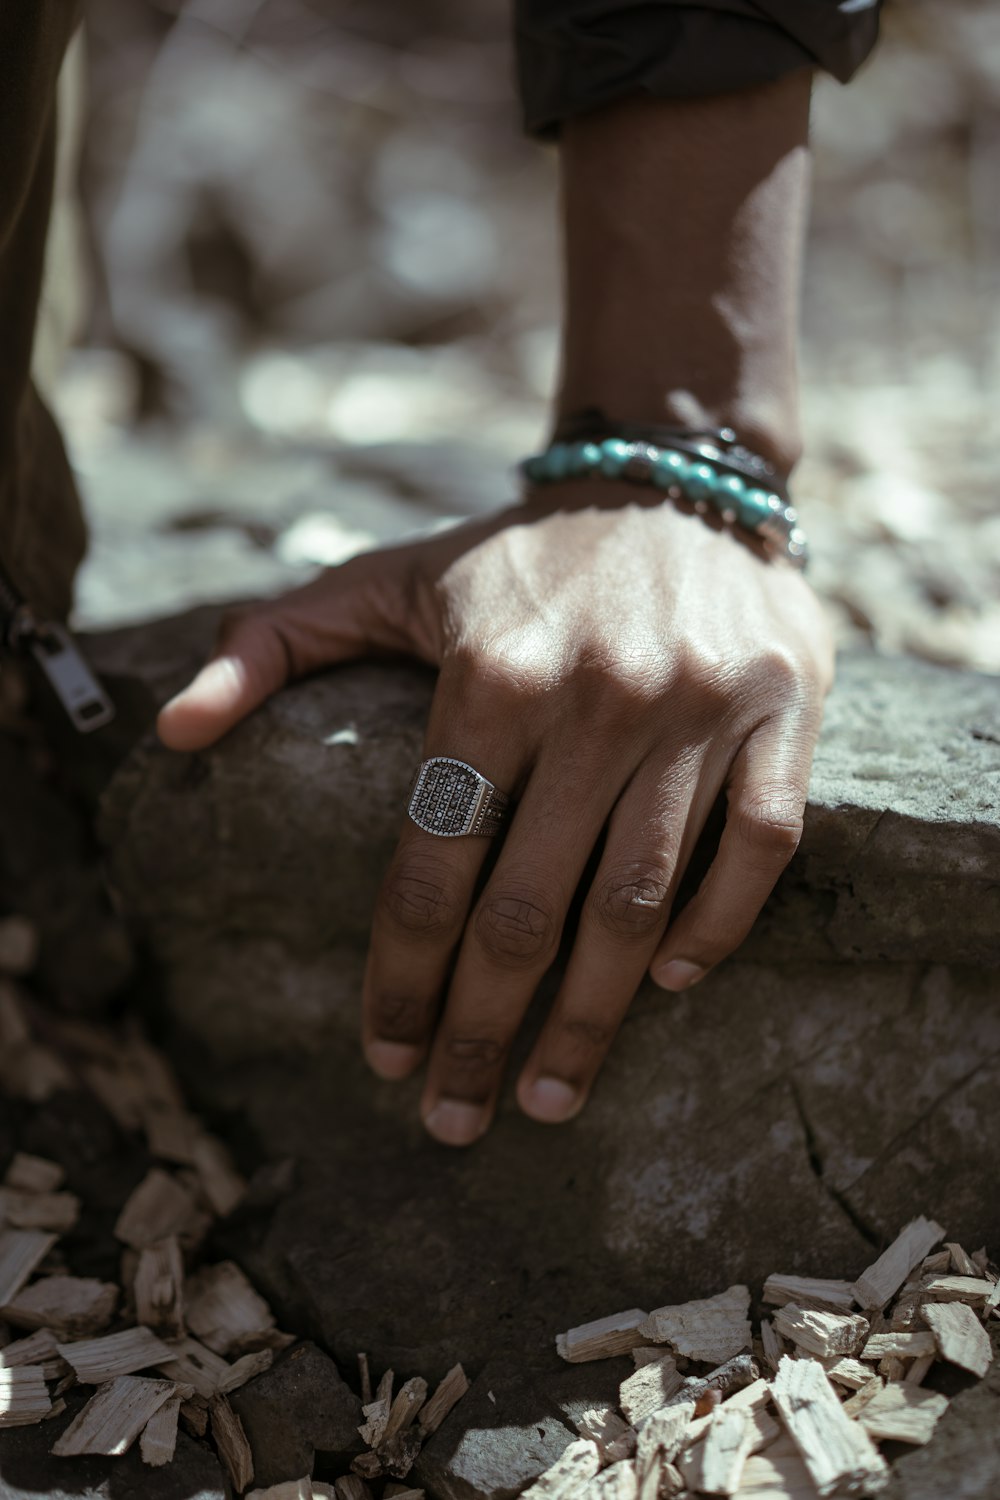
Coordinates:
709 483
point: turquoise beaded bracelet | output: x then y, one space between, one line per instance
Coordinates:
680 476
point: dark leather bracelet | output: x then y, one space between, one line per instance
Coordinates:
719 445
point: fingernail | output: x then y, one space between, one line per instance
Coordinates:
455 1122
678 974
550 1100
392 1060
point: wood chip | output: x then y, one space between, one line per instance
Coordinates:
920 1368
776 1477
159 1438
223 1187
604 1426
24 1397
21 1252
15 1032
849 1372
34 1174
18 945
222 1309
376 1415
732 1376
825 1334
974 1290
725 1450
662 1435
836 1451
113 1418
189 1362
961 1263
195 1417
28 1210
712 1329
40 1349
451 1390
367 1466
960 1337
399 1453
580 1462
171 1134
248 1367
72 1306
904 1413
903 1345
617 1483
886 1275
231 1441
602 1338
809 1291
751 1398
352 1487
95 1361
291 1489
646 1354
772 1344
855 1405
158 1288
158 1208
401 1492
649 1388
410 1398
936 1265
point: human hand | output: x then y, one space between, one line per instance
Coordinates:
614 665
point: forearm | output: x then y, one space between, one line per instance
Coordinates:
683 223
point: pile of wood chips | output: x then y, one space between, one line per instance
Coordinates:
845 1363
168 1343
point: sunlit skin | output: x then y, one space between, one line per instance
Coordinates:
614 663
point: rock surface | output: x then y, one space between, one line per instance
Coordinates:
502 1436
250 871
296 1410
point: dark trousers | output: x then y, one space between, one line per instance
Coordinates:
42 537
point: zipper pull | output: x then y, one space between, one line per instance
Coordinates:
69 676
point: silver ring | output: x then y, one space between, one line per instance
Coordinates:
451 799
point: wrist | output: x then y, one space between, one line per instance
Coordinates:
683 235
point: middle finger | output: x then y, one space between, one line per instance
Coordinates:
511 940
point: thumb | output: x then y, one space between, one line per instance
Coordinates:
259 650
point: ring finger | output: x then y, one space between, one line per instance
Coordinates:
425 897
511 940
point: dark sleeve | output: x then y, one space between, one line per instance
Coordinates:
574 55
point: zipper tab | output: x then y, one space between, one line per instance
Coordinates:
72 681
59 658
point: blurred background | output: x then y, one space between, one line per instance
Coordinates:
302 296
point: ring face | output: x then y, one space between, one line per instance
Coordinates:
447 797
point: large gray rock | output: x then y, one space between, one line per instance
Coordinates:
250 871
839 1076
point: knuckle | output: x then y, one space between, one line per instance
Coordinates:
770 824
516 929
785 673
595 1035
632 903
474 1053
397 1017
419 895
